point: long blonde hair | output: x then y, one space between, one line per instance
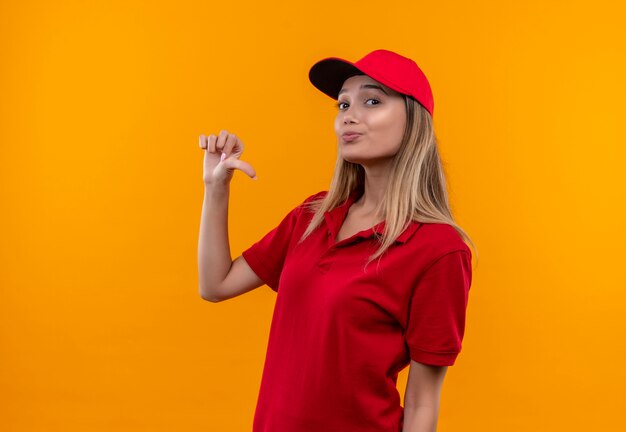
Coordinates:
416 188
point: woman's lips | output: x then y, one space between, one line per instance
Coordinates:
349 137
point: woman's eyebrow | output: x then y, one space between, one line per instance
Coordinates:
372 86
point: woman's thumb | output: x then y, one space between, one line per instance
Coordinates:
232 162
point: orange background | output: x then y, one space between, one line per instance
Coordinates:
101 324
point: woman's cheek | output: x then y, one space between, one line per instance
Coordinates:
337 124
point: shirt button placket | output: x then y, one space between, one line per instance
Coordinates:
325 261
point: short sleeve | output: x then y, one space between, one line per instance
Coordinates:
267 256
437 310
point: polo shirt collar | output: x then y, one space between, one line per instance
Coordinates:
335 218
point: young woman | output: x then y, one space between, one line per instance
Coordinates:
371 275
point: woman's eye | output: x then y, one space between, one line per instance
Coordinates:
343 105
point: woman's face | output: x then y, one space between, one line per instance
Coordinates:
375 114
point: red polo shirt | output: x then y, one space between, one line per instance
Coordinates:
339 334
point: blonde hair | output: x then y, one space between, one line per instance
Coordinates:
416 188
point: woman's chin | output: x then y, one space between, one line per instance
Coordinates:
352 158
371 161
350 155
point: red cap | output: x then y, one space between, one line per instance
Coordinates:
387 67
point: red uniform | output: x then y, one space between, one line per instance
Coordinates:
339 334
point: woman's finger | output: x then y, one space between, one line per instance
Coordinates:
231 140
211 143
221 140
237 147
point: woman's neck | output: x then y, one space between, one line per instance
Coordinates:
374 189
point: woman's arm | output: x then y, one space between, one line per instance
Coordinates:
219 277
214 259
421 399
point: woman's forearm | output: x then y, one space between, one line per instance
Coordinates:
420 419
214 259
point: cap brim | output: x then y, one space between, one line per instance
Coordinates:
329 74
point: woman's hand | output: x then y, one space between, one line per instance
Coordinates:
221 158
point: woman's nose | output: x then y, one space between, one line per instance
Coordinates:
348 118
